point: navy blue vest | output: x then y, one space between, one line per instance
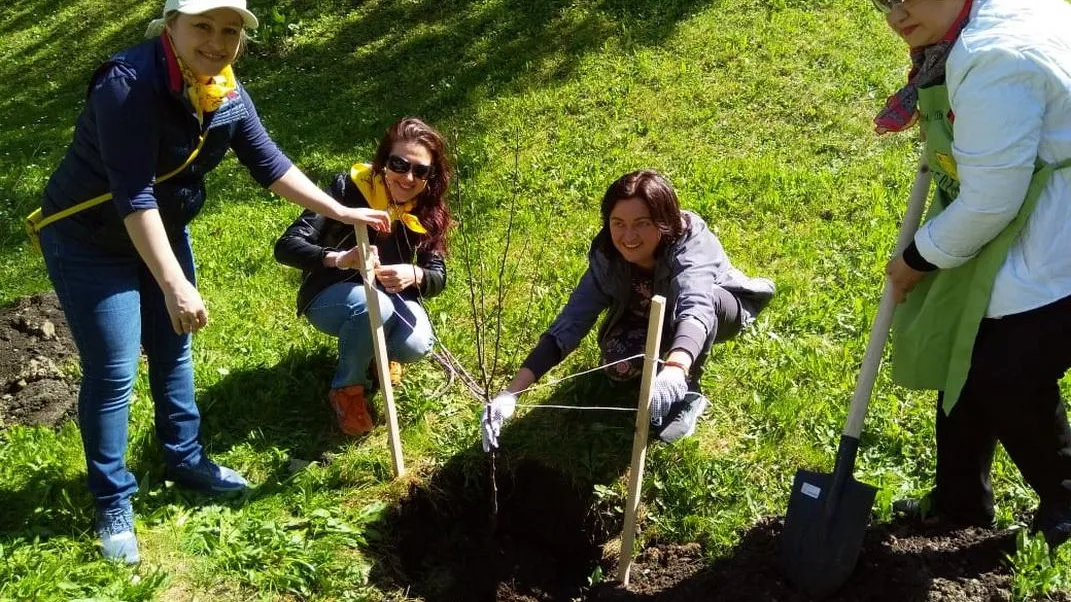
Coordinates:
81 174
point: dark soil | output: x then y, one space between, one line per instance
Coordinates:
899 562
38 363
446 544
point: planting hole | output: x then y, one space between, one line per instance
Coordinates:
448 546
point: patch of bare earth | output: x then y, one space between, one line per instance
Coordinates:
899 562
38 360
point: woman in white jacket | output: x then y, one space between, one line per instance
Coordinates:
986 284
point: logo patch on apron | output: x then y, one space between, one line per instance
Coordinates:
947 165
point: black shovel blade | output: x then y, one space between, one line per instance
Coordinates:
824 531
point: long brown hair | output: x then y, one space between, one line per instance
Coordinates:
431 207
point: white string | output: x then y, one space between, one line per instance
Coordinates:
571 376
554 407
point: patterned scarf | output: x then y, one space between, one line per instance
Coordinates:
375 192
927 66
205 94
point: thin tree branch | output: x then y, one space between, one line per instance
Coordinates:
467 241
502 286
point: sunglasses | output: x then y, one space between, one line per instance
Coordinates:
401 166
886 6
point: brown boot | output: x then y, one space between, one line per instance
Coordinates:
351 410
394 369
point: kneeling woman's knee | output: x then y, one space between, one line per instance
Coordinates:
417 345
357 305
386 306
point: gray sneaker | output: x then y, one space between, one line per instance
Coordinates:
682 417
115 526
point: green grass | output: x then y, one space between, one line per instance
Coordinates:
759 112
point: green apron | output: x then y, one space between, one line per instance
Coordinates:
934 329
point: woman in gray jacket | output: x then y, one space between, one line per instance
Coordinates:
647 246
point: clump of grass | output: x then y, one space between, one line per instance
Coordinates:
1036 570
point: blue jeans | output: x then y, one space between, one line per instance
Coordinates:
341 310
115 309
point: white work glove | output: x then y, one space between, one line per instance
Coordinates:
668 388
494 415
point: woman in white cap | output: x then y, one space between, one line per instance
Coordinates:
158 117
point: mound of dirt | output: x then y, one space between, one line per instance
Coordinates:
38 363
900 563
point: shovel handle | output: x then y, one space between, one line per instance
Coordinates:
879 331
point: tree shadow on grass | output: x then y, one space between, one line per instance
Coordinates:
593 445
50 504
376 62
278 407
437 59
282 406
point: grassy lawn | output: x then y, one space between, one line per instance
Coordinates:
758 111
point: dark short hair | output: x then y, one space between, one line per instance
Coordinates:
656 192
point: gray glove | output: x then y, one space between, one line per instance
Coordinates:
668 388
494 415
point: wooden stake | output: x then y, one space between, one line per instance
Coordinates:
639 443
379 344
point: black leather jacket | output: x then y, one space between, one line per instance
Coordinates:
312 235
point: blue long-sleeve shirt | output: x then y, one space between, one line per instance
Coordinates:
137 124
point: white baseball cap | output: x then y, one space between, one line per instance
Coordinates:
196 7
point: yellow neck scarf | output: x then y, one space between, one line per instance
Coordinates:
207 94
375 192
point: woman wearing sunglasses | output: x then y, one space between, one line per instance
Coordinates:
408 178
647 246
985 287
157 118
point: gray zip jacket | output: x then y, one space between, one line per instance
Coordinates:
684 273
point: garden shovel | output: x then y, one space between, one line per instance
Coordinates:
828 513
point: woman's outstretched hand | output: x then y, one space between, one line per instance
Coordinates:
668 388
356 216
495 413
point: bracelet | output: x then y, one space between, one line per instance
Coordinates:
676 364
